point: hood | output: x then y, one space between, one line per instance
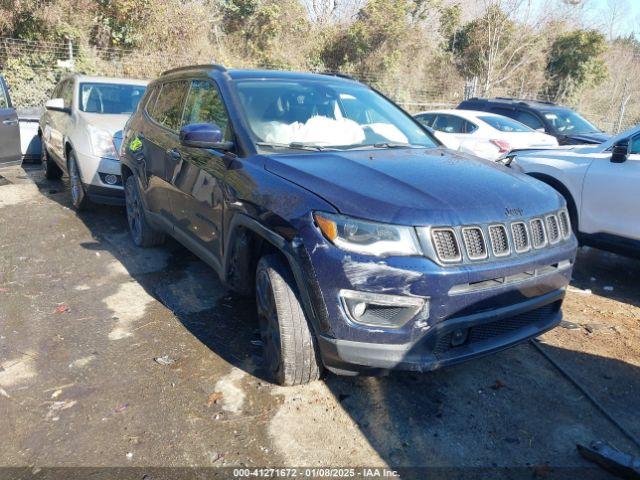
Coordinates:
416 186
110 123
585 138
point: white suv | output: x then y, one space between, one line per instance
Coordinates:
81 132
601 184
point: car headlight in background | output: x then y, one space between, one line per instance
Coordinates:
368 238
102 143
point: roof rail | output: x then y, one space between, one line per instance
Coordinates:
338 74
210 66
525 101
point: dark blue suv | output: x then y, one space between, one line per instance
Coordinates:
368 245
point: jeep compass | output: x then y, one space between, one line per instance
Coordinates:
367 244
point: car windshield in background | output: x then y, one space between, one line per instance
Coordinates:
569 122
315 115
505 124
110 97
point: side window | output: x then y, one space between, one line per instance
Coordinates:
529 120
449 124
507 112
67 93
426 119
169 106
634 145
4 100
204 105
151 100
469 127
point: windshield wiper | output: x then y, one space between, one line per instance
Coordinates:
392 145
294 146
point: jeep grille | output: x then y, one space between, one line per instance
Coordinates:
499 240
446 245
474 243
553 229
538 236
520 237
565 225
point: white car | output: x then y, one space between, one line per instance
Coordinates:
601 184
483 134
80 132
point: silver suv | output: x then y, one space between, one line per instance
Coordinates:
81 132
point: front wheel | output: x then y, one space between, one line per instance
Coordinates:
79 198
290 351
143 234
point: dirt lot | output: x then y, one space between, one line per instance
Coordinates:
84 315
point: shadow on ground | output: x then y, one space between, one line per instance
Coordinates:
513 402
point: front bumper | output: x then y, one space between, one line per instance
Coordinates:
93 171
485 333
464 300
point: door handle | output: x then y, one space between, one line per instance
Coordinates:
175 154
10 122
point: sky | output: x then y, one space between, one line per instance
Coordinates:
612 17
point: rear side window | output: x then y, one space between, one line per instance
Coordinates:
204 105
530 120
453 124
426 119
506 112
168 108
504 124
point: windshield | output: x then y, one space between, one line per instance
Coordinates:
317 114
569 122
504 124
110 97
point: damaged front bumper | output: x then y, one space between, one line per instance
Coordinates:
435 315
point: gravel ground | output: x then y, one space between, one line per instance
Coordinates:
116 356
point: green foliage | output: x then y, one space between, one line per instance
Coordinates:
379 28
475 41
30 78
575 62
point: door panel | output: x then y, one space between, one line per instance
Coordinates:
197 175
10 153
610 197
159 138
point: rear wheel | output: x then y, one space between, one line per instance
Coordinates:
143 234
290 351
51 170
79 198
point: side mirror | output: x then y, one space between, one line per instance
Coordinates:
204 135
57 105
620 151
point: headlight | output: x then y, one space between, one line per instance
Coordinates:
368 238
102 143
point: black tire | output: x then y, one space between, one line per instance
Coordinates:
143 234
50 168
290 351
79 199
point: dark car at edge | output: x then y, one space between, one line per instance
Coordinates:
568 126
368 246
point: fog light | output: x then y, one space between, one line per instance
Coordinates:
110 179
381 310
359 309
